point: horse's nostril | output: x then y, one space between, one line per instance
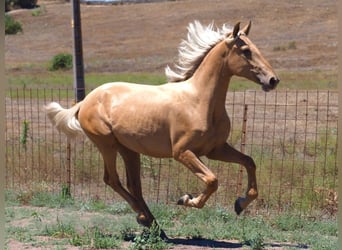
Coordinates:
274 81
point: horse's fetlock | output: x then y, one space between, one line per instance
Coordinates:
253 194
143 220
106 180
200 205
213 183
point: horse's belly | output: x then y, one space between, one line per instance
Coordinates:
152 145
142 128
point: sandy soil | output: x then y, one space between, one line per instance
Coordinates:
145 37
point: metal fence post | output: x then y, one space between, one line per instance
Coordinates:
79 85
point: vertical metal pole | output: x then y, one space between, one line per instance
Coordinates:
79 86
78 52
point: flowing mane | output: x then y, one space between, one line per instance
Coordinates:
200 40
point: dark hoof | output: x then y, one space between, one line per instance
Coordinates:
184 198
237 207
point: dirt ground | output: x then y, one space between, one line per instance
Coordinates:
48 216
145 37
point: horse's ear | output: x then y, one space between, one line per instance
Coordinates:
231 38
247 28
236 30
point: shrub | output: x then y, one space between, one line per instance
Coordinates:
27 4
15 4
39 11
8 5
61 61
12 26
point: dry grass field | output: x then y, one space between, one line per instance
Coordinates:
294 36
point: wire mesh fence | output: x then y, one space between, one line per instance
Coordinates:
291 135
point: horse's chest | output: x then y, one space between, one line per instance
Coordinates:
206 140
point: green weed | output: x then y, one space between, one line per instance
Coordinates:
65 193
252 232
102 240
256 241
150 240
289 223
39 11
44 199
19 233
59 230
118 208
94 205
24 134
37 216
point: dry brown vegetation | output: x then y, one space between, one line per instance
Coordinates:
299 35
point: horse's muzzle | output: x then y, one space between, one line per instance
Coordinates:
271 84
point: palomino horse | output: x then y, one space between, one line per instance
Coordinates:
184 119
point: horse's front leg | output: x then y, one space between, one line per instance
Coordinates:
191 161
229 154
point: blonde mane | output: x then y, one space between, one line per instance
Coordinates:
200 40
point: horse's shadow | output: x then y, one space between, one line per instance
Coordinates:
227 244
205 243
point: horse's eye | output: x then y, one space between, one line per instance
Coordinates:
246 52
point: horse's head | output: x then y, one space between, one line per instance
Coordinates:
245 60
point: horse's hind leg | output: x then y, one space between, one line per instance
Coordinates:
111 178
108 148
132 164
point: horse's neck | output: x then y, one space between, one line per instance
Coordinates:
212 78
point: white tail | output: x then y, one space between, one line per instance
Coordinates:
65 119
